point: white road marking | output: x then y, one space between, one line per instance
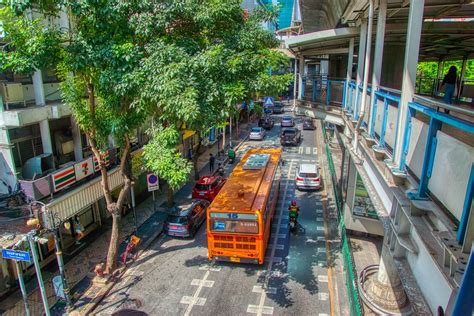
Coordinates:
300 150
321 238
320 228
208 267
195 299
308 150
259 289
315 150
323 296
320 249
202 283
278 247
261 309
319 219
323 278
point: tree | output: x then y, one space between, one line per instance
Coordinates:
207 58
93 59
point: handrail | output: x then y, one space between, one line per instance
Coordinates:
431 102
390 90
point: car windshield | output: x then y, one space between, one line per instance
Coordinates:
286 118
289 131
256 130
308 175
308 121
176 219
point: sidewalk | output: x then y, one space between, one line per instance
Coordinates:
79 270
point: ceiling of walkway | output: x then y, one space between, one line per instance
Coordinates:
445 39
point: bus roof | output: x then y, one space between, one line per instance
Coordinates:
245 191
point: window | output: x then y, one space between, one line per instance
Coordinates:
234 223
202 187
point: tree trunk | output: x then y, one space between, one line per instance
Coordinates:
111 264
170 196
195 158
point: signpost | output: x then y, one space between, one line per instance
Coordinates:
16 256
153 183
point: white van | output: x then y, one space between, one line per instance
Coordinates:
307 177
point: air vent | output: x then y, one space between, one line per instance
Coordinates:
257 161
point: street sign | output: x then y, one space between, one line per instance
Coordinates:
15 255
152 181
268 101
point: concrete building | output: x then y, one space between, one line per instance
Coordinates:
407 157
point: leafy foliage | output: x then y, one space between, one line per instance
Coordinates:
162 157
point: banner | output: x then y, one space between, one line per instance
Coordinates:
105 157
83 169
63 178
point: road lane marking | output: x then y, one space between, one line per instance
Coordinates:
202 283
308 150
260 308
322 296
300 150
259 289
323 278
195 299
324 195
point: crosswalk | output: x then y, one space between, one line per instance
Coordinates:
300 150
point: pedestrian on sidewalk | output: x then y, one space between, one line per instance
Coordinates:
212 161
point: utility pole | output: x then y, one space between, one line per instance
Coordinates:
34 252
132 197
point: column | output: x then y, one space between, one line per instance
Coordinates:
438 76
366 66
6 150
350 60
294 83
378 57
76 138
46 136
38 88
385 289
360 64
412 48
461 77
300 78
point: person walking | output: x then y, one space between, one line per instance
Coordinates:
212 161
450 81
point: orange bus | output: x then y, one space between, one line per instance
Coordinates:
239 218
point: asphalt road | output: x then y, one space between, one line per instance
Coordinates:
174 277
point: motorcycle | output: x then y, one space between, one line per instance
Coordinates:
293 224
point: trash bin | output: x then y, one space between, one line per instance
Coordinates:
58 287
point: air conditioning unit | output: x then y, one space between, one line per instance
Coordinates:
12 93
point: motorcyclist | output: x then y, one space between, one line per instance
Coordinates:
231 155
294 210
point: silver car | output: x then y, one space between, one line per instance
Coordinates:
287 121
257 133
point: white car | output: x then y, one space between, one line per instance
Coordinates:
307 177
257 133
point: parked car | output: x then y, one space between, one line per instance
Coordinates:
207 187
308 124
287 121
278 108
186 221
290 136
266 122
257 133
307 177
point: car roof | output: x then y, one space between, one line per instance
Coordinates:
207 180
286 117
308 168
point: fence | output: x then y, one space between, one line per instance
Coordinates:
351 281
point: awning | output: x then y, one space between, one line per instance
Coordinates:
334 41
188 133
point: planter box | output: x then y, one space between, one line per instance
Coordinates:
379 152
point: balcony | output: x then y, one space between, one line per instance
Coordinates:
19 108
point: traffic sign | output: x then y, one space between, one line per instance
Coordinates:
268 101
152 182
15 255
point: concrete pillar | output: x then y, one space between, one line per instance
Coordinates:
294 83
360 63
378 56
38 88
300 78
6 150
46 136
461 76
412 49
350 60
385 289
366 67
76 138
438 75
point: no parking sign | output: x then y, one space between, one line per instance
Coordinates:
152 182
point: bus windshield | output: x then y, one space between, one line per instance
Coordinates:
234 223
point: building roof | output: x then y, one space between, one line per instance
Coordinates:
245 191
